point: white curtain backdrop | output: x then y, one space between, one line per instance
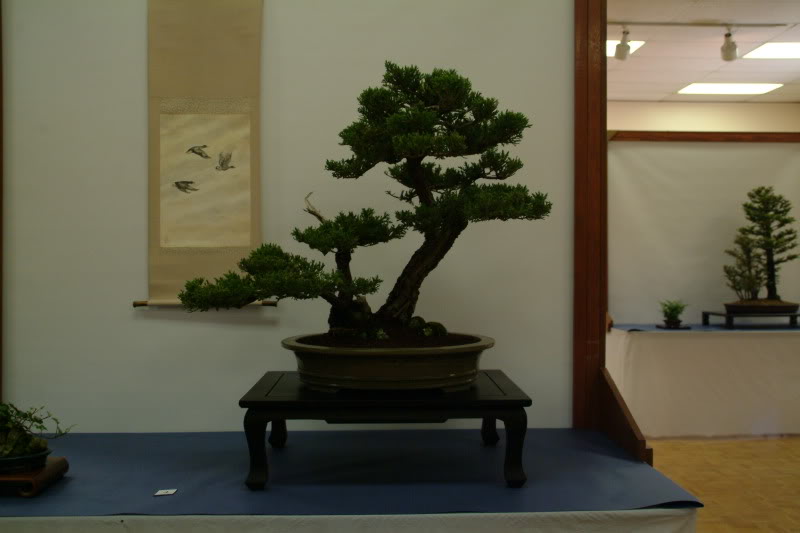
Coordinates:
673 209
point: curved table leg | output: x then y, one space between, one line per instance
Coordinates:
277 437
255 427
516 422
489 431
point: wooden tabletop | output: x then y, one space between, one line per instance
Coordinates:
492 388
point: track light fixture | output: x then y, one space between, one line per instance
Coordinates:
729 50
623 49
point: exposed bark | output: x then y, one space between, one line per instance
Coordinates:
422 188
772 278
402 300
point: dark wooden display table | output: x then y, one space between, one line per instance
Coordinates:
730 316
280 396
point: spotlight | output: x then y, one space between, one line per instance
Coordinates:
729 50
623 48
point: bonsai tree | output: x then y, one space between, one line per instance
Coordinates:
22 432
746 276
409 124
770 234
672 309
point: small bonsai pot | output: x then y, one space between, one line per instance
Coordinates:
23 463
761 307
672 324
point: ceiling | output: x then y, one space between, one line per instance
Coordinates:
673 57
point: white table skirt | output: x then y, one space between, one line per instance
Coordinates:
641 521
701 383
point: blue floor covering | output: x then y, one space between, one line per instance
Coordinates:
345 472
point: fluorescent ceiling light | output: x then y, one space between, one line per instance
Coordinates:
611 47
729 88
775 51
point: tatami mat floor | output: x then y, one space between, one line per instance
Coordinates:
745 484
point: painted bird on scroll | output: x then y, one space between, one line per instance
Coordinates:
225 161
185 186
198 150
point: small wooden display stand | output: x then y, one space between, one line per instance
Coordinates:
31 483
730 316
280 396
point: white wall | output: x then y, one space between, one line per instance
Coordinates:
673 210
693 116
75 203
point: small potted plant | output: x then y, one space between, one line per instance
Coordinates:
761 247
23 441
406 127
672 310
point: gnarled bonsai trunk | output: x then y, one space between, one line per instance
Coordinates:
402 300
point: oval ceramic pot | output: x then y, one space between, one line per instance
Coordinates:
334 368
23 463
754 309
672 324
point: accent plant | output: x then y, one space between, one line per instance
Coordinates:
22 433
409 123
672 310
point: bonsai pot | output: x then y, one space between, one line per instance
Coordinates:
367 368
23 463
672 324
765 307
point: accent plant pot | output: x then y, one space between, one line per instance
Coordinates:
672 324
752 307
23 463
333 368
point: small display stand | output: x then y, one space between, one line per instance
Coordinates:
29 484
730 316
280 396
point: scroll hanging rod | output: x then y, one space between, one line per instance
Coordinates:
701 24
177 303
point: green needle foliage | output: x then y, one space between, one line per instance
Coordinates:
409 123
763 245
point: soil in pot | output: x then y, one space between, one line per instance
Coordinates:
397 339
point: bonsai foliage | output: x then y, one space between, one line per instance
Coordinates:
747 275
672 309
22 432
770 232
409 124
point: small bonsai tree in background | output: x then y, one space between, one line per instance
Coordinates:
770 232
672 310
746 276
409 123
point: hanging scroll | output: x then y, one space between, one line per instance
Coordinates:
204 193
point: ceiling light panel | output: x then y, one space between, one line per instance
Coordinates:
729 88
775 51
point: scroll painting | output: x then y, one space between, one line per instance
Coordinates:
204 139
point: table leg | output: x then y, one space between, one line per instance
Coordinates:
255 427
489 431
277 437
705 318
793 320
728 322
516 422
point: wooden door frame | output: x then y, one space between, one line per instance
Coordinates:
590 284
